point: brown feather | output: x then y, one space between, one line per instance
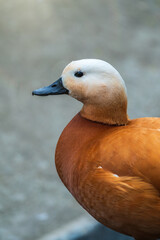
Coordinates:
89 154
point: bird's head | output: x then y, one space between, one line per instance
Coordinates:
98 85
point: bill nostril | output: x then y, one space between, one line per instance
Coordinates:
54 85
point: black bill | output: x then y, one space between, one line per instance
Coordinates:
55 88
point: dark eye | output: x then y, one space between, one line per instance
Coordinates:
78 74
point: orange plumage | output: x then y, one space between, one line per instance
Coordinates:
109 163
88 156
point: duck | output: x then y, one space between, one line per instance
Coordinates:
108 162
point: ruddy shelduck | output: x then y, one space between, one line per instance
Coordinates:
109 163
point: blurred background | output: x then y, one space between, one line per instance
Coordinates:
38 38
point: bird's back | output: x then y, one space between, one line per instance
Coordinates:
114 172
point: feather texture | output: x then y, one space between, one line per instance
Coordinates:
88 156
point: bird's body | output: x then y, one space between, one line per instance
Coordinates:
109 163
113 172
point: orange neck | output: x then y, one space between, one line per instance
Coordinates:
111 115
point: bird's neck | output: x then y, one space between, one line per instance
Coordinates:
111 115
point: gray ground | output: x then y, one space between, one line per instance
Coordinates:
37 39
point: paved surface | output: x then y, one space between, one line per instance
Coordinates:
85 228
37 39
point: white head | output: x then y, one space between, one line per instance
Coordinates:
100 87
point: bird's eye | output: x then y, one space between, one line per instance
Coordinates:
78 74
